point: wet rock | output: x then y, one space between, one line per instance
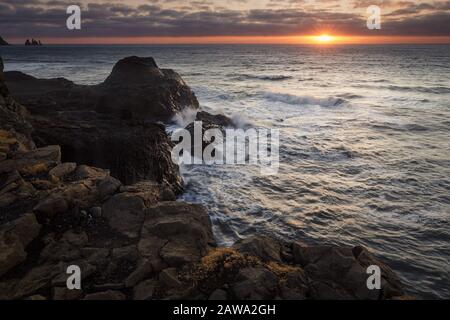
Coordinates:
218 120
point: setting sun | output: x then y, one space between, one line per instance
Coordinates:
324 38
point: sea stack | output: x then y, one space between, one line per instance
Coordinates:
33 42
3 42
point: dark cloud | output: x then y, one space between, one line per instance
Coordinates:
46 18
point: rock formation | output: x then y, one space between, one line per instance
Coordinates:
33 42
134 241
3 42
111 125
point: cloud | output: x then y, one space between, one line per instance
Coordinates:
103 18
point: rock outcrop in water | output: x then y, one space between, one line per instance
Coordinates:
111 125
134 241
33 42
3 42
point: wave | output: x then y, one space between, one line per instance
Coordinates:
303 100
185 117
262 77
435 90
421 89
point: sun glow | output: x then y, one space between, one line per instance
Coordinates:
324 38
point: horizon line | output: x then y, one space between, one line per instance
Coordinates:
305 39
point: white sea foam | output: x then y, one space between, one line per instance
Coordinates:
303 99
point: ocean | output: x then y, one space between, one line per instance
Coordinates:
364 142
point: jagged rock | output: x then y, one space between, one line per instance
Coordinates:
145 91
105 295
218 120
108 125
175 232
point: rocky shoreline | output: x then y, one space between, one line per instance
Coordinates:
86 179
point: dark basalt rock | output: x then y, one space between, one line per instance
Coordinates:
110 125
135 89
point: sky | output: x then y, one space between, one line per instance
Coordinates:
225 21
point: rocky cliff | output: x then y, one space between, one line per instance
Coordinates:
134 241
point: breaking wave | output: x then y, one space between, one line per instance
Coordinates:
303 100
